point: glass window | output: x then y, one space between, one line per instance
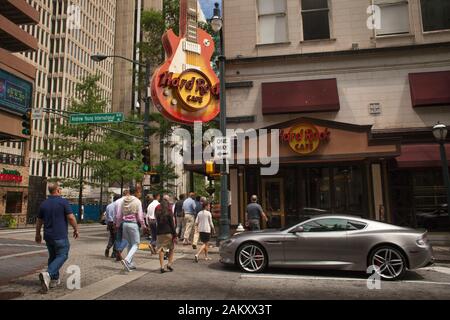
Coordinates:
355 225
316 24
13 202
348 190
318 188
272 21
435 14
325 225
394 17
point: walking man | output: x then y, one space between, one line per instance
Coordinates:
198 208
151 220
110 213
130 215
179 215
55 214
189 207
254 214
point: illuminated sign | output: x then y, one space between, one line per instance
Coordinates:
185 88
304 138
15 93
10 176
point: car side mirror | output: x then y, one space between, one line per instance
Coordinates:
299 229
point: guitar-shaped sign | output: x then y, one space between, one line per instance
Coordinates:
185 88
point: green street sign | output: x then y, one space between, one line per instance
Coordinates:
86 118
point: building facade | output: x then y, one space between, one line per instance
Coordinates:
17 84
354 88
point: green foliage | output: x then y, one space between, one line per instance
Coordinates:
78 142
167 175
9 221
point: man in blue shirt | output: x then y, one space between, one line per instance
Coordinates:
55 213
109 219
189 210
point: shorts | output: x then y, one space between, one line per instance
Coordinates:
205 237
165 242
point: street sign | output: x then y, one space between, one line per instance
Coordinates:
86 118
222 148
37 114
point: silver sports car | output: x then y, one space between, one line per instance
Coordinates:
334 242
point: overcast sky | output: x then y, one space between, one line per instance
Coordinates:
208 7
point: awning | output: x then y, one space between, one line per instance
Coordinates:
300 96
430 88
421 156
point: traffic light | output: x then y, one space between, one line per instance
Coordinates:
146 159
209 167
26 124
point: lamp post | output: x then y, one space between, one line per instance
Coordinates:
148 71
440 133
217 24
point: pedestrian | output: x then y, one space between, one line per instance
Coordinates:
205 228
198 207
55 214
151 220
167 235
179 215
254 214
130 217
189 206
110 213
120 243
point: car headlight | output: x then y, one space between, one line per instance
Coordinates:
423 241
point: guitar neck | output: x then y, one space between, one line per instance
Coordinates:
188 20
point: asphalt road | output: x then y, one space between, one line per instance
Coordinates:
104 279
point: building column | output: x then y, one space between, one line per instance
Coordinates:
377 185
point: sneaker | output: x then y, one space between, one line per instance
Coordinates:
169 268
45 281
208 259
196 258
162 270
132 266
113 256
107 253
55 283
194 247
118 256
126 265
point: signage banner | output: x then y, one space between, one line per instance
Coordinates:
10 176
15 93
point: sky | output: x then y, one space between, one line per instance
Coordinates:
208 7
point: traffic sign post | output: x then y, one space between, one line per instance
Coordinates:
87 118
222 148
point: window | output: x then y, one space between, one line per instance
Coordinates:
272 21
394 17
325 225
355 225
13 202
316 24
435 14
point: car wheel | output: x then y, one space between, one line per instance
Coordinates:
251 258
389 263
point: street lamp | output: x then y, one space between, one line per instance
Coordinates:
217 24
440 133
101 57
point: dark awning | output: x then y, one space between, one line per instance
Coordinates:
300 96
421 156
430 88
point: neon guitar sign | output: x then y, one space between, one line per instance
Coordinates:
185 88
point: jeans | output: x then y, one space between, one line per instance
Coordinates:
112 236
131 233
58 251
254 225
181 227
153 232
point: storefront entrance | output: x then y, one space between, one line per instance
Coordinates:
273 202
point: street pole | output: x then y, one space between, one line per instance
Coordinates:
148 73
445 173
224 219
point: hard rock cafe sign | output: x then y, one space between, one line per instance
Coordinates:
10 176
185 88
305 138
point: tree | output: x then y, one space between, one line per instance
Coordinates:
79 143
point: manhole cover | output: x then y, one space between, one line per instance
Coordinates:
10 295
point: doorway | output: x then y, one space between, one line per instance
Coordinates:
273 202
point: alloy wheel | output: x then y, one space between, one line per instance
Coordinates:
389 262
251 258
